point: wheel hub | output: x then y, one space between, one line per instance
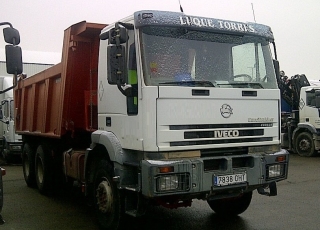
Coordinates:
104 196
304 145
40 173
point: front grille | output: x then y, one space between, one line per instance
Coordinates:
216 134
219 141
224 152
219 126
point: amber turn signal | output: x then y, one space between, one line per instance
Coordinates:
166 169
280 158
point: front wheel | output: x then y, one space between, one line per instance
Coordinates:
304 145
107 200
231 206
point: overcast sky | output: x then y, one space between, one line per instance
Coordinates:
295 23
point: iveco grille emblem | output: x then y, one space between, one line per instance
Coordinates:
226 110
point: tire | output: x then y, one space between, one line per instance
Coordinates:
304 145
28 165
108 204
5 152
231 206
43 169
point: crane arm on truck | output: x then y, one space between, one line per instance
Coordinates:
290 89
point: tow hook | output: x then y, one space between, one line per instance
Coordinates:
272 190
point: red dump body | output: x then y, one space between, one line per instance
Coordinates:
63 98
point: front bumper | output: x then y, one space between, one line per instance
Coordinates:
199 175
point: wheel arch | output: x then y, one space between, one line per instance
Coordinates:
104 146
110 142
304 127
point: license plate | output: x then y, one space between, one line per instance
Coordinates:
230 179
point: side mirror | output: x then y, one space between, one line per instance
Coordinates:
116 64
118 36
14 59
276 66
122 33
11 35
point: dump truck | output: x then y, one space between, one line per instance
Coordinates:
158 108
14 67
300 115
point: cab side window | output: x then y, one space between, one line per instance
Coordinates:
132 102
311 99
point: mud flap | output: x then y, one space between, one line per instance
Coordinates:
272 190
316 142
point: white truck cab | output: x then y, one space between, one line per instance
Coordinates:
10 142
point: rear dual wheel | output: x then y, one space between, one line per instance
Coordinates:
28 164
37 167
44 169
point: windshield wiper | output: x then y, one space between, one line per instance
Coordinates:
188 83
254 85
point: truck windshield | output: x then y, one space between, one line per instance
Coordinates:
181 57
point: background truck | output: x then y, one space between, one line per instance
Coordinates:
300 115
10 142
158 108
14 66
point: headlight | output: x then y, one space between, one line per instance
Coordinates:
274 171
168 182
172 182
